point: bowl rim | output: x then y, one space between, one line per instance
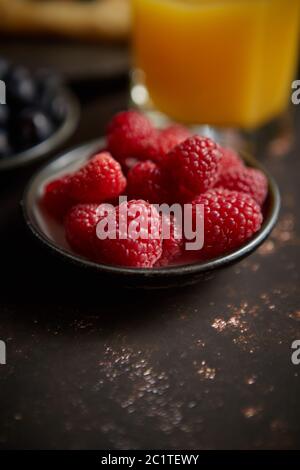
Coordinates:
170 271
44 148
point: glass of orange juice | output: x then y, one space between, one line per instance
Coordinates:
224 63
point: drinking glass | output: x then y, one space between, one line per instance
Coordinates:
224 65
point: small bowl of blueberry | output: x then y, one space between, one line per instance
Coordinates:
37 114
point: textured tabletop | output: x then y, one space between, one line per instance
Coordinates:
91 366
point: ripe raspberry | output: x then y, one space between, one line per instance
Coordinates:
183 196
230 219
56 199
80 228
128 164
163 141
131 235
100 179
148 181
195 164
127 133
172 246
246 180
230 159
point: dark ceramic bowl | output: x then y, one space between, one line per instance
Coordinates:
52 236
43 149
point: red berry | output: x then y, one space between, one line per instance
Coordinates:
56 199
128 164
195 164
148 181
163 141
135 237
172 246
183 196
230 159
100 179
127 133
80 228
246 180
230 219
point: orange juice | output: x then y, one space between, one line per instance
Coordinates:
218 62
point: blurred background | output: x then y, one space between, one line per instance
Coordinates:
46 46
225 66
80 39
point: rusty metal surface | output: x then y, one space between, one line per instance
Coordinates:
208 366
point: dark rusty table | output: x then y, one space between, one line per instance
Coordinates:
91 366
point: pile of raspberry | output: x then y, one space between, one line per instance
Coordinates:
154 166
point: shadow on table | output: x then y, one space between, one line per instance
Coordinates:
44 287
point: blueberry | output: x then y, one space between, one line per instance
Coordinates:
58 108
52 99
31 127
5 149
48 82
4 114
21 87
49 85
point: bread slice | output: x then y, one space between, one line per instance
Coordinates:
104 19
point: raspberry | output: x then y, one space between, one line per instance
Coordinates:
80 228
127 133
148 181
246 180
99 180
172 246
183 196
195 164
135 237
128 164
230 159
230 219
56 199
164 141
